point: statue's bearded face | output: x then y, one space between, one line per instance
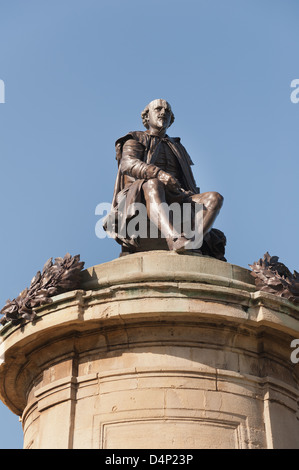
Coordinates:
159 115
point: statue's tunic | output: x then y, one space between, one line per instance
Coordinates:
142 153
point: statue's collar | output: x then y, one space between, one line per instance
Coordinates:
156 135
165 137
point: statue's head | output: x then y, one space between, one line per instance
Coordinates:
157 114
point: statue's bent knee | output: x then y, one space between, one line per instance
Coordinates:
219 199
214 201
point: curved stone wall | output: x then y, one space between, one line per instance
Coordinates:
157 350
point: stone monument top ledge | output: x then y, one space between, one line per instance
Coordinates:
162 265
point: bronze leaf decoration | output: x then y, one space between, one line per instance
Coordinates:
274 277
61 276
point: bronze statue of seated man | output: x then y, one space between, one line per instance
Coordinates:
155 169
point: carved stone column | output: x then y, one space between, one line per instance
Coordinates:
157 350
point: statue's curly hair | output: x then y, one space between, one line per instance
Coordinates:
144 115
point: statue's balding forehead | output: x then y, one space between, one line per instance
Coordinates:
159 102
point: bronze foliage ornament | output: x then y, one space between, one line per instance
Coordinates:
56 278
274 277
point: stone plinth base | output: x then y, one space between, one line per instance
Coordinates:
158 350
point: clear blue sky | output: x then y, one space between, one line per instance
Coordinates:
77 75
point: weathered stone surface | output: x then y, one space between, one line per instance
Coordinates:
157 350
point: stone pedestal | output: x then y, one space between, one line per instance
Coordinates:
158 350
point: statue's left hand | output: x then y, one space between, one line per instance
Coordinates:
169 181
